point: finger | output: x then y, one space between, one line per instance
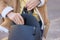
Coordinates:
15 21
32 6
20 21
34 3
28 3
21 18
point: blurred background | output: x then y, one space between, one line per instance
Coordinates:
54 16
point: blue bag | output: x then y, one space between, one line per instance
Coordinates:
31 30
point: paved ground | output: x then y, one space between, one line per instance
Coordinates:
54 16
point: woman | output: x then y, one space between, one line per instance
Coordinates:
15 8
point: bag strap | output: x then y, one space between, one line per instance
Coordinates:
39 14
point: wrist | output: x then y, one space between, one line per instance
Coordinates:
6 11
10 13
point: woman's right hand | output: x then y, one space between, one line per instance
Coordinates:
16 18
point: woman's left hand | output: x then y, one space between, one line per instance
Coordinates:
32 4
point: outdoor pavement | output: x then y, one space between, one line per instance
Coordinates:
54 16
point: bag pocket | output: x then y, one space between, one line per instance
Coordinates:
22 32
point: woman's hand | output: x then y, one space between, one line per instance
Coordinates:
16 18
32 4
